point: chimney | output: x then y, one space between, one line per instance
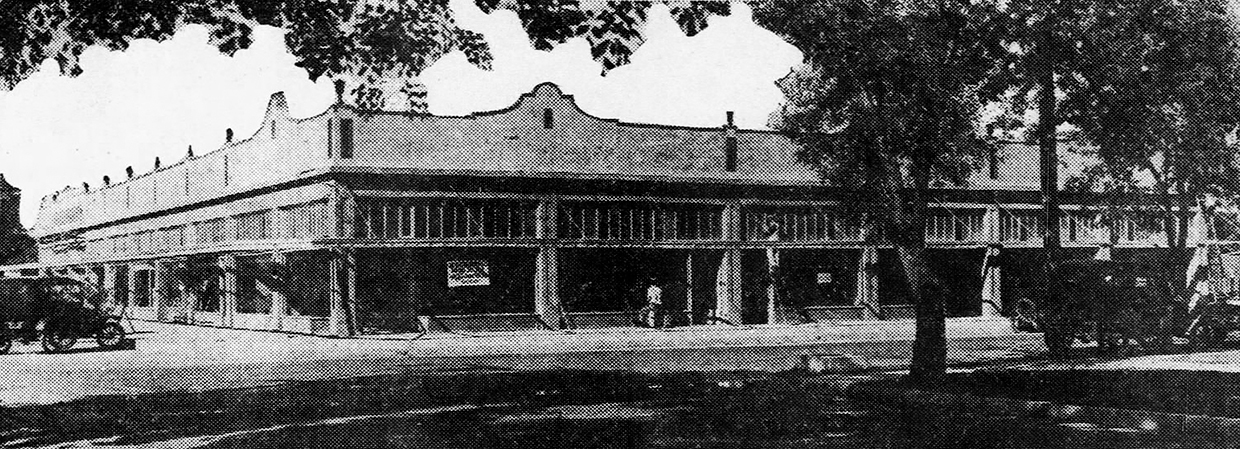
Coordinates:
729 144
85 187
228 134
339 91
107 181
157 162
190 152
129 172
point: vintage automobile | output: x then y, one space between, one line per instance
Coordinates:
1113 303
57 312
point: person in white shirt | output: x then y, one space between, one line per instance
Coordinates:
651 314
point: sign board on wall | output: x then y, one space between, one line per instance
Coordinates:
825 278
468 273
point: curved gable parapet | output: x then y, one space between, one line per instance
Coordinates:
546 132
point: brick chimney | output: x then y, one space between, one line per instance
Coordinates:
729 144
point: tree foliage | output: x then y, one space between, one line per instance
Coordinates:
887 103
1159 85
377 42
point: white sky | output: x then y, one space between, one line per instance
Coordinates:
155 99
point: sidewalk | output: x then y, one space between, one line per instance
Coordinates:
702 336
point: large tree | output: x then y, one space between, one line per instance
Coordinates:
378 43
1040 66
886 103
1156 101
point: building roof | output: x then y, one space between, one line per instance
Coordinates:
543 135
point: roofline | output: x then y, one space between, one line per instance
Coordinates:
571 99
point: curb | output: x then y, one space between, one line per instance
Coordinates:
1205 428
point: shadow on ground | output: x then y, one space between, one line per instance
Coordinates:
537 409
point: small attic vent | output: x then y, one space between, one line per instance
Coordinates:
346 138
993 162
548 119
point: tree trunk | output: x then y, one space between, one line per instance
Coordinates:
906 211
929 363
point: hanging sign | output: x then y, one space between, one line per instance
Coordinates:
468 273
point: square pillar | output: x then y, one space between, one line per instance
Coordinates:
342 276
773 301
547 287
728 303
110 273
161 291
992 271
866 295
279 302
228 289
689 287
547 302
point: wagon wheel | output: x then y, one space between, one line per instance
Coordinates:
1206 335
57 338
1058 341
1156 335
1111 339
111 335
1114 336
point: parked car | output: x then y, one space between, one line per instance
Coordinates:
1113 303
55 311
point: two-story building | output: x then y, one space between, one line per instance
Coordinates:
538 215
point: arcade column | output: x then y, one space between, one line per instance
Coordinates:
110 274
992 271
867 283
342 271
228 289
728 303
162 297
279 302
547 266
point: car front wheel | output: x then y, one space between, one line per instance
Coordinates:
111 335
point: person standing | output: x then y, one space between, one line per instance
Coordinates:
652 313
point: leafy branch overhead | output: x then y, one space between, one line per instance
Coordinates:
373 41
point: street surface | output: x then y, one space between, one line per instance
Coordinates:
177 358
186 387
